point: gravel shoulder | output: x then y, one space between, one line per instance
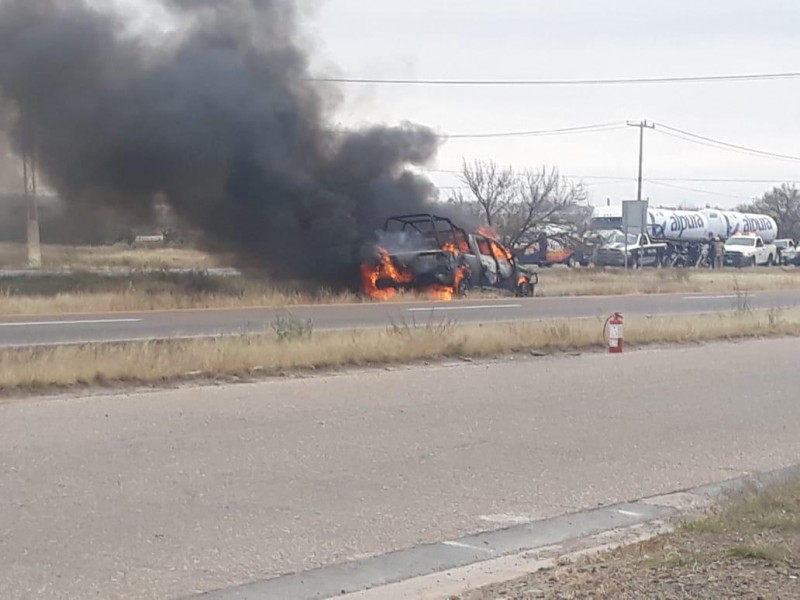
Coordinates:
750 548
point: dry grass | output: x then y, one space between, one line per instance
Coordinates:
267 355
88 292
775 508
119 256
600 282
82 291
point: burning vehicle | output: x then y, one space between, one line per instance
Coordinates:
430 254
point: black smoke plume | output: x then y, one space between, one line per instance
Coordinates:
219 117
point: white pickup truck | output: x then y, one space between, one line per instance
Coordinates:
642 251
749 251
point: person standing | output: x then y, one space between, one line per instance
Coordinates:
720 252
712 252
544 246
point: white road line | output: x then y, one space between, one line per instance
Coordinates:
84 322
725 297
468 547
629 513
450 308
505 519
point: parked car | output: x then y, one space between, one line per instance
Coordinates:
785 247
791 255
558 253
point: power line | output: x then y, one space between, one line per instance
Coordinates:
625 178
724 180
705 140
467 188
600 127
597 128
562 82
697 190
718 147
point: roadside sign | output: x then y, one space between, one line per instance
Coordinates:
634 216
634 220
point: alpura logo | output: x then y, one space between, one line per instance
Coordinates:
756 224
680 223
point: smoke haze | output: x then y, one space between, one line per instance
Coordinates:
218 117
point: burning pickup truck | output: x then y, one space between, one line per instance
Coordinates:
429 254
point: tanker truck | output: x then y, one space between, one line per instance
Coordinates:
689 225
663 224
674 231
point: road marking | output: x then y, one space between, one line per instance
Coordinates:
629 513
468 547
725 297
84 322
449 308
505 519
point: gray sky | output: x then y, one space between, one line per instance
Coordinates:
576 39
572 39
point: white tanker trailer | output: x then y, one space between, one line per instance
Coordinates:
690 225
727 224
679 225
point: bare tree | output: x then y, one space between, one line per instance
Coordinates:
466 207
521 205
493 188
545 198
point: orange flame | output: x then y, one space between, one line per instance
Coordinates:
439 292
447 293
385 269
501 252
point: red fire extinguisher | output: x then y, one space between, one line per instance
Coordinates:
616 336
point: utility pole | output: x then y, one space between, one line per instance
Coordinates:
642 125
29 174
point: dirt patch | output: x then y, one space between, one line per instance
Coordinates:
750 549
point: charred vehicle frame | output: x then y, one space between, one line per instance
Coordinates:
425 251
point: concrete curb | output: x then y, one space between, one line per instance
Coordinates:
439 570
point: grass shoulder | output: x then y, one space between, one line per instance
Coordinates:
292 345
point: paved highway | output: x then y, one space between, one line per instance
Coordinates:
109 327
169 493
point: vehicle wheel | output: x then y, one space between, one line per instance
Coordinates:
524 290
634 262
751 261
571 261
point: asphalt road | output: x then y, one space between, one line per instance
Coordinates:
109 327
169 493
